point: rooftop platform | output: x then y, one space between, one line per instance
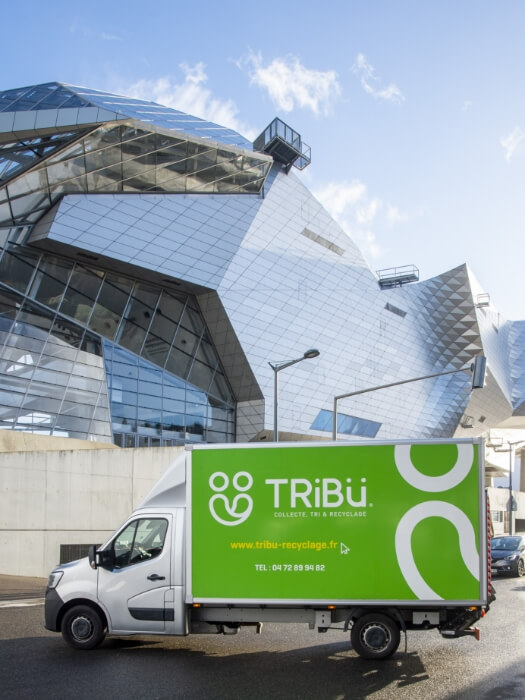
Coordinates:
397 276
284 144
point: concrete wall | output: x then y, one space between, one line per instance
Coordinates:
20 441
75 496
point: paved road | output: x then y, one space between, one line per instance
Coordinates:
285 662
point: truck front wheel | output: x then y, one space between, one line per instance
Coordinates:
375 636
83 627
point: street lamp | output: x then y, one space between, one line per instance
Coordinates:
498 447
277 367
478 369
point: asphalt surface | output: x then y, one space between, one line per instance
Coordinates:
285 662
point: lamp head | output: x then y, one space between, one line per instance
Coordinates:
309 354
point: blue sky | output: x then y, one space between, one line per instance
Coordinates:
414 110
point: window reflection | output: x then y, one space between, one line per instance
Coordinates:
63 359
115 159
110 305
50 281
81 293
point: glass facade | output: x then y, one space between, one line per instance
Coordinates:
117 157
88 353
347 425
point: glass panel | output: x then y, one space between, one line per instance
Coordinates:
172 305
150 402
34 322
17 267
71 170
349 425
137 318
155 350
50 281
200 375
28 207
103 158
123 411
80 295
195 425
174 422
175 152
92 345
73 151
107 180
205 353
173 406
67 332
219 387
5 214
185 341
110 305
150 374
193 321
141 150
9 304
178 363
34 181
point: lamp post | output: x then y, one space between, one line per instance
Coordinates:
511 446
277 367
478 369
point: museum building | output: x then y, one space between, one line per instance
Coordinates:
156 268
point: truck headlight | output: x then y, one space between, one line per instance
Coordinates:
54 578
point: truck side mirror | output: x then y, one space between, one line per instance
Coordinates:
92 556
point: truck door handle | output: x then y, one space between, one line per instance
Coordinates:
156 577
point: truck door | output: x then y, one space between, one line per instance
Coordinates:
134 583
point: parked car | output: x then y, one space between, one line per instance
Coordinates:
508 555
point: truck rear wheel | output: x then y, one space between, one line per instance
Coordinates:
83 627
375 636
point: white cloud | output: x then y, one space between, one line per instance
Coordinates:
359 213
370 82
354 210
79 27
289 84
394 215
513 143
367 212
467 104
110 37
192 96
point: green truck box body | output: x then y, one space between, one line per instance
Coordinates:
400 523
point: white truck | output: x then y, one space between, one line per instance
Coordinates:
373 538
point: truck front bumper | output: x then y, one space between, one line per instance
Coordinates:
52 608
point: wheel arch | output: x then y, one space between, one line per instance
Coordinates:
81 601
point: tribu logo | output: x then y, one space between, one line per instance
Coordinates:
240 508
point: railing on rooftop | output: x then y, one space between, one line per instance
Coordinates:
397 276
482 300
284 144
